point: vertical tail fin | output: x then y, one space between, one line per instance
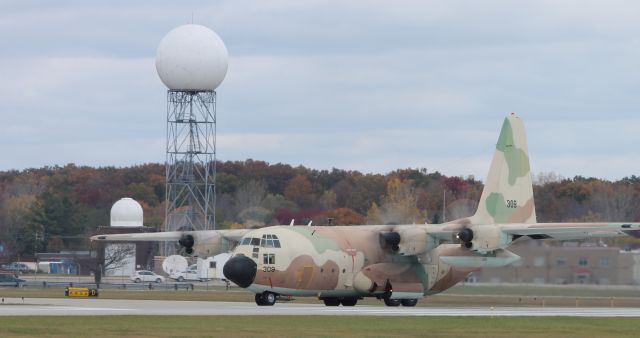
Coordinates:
508 192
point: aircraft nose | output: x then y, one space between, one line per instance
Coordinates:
240 270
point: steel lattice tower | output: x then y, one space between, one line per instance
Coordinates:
191 160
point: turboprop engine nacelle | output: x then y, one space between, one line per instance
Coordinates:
483 238
408 241
202 244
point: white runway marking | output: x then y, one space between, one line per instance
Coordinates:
92 307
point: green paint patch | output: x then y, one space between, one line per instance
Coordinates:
505 140
321 244
315 326
422 275
517 160
518 164
497 207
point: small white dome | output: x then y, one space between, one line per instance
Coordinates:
192 57
126 213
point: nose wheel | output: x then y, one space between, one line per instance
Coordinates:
266 298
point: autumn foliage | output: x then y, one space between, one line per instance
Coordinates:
56 208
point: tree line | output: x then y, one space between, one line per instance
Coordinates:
57 208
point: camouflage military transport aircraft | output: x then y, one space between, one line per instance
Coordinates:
397 263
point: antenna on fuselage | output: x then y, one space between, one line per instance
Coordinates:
292 221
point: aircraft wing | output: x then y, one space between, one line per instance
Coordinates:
141 237
489 237
234 235
200 243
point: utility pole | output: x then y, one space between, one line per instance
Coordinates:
444 205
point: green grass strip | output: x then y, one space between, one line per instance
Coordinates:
315 326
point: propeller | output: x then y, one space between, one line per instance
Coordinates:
392 240
465 236
187 242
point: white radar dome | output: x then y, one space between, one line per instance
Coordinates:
126 213
192 57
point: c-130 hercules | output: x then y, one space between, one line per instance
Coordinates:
397 263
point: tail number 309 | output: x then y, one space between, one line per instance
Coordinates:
267 268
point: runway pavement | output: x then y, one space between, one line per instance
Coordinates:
101 307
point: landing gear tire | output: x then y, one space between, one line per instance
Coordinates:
331 301
138 280
349 301
409 302
392 302
266 299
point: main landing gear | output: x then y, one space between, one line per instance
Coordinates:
345 301
397 302
266 298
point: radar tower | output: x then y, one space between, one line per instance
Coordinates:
191 61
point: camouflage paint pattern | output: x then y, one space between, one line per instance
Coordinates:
507 196
355 261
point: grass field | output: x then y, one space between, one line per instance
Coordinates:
337 326
320 326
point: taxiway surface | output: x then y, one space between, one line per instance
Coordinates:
101 307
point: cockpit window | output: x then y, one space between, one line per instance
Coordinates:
255 241
270 241
246 241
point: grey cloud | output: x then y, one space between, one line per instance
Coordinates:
360 84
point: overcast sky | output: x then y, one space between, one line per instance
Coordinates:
365 85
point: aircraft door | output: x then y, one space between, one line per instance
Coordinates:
348 279
350 264
305 274
432 274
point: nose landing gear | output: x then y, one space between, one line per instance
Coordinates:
266 298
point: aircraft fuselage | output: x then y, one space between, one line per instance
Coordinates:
335 261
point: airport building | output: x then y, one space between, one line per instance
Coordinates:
123 258
567 263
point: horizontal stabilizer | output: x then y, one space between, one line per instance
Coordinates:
571 231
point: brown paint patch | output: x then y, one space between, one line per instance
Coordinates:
407 287
401 276
303 274
361 239
522 213
461 221
455 251
451 278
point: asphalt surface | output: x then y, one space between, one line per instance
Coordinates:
101 307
